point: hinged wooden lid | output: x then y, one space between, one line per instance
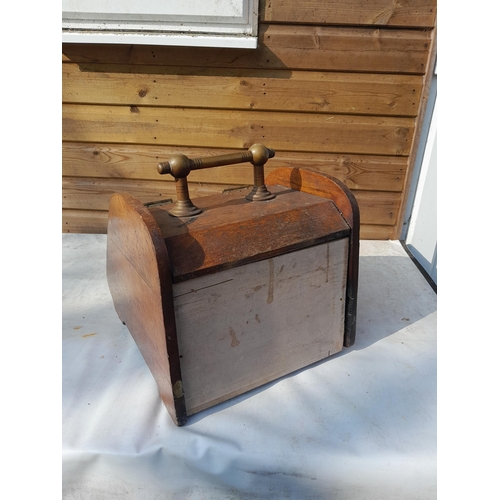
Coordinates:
232 231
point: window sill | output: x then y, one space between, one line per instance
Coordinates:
174 39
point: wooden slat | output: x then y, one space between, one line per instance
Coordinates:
237 129
360 172
376 207
406 13
94 194
282 47
95 222
84 221
242 89
374 232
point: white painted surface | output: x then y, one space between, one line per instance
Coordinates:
420 226
162 22
243 327
144 9
230 42
361 425
422 231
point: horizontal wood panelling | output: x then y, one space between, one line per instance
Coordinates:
85 221
375 207
406 13
337 86
243 89
372 232
282 47
238 129
378 207
95 222
79 193
360 172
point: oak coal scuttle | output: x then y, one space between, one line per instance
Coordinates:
239 289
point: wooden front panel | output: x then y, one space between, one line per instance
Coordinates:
243 327
339 86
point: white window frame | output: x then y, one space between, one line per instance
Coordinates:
201 23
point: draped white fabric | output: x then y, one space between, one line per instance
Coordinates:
359 425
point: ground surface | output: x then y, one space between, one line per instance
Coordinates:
361 425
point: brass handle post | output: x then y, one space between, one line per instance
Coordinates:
260 155
180 166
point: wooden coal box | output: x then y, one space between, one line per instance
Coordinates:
240 294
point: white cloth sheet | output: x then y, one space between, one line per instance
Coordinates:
361 425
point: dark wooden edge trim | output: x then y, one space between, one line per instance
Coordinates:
165 278
325 185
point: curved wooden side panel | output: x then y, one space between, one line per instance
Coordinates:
138 272
326 186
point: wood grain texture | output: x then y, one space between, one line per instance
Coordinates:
319 60
406 13
232 231
286 313
290 47
283 268
138 273
320 185
124 161
95 222
349 93
83 192
377 232
84 221
309 132
376 207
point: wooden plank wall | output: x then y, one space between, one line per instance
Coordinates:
339 86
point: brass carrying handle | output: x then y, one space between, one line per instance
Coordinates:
180 166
